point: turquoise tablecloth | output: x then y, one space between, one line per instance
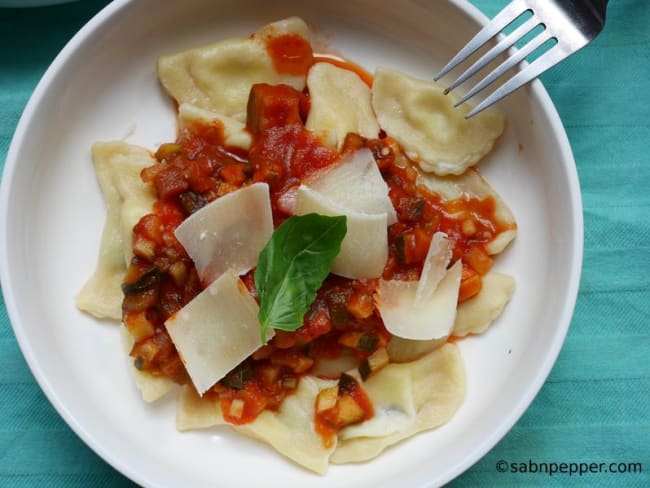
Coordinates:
595 406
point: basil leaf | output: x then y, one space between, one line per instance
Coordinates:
292 267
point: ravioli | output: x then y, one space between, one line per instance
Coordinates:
234 132
151 387
427 393
472 184
219 76
290 430
407 398
117 167
340 104
425 123
476 314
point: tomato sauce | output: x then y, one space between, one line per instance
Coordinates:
343 63
291 54
199 167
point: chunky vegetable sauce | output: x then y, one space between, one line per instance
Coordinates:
343 322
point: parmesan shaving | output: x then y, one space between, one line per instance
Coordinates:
216 331
364 249
356 184
431 319
229 232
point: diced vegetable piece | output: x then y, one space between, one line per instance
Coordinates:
238 377
233 174
367 342
292 359
470 284
350 339
170 182
468 227
478 259
284 339
264 352
236 408
154 348
269 374
347 384
361 305
191 201
352 142
272 106
327 399
174 369
349 411
415 246
290 383
178 272
374 363
337 302
143 247
140 301
138 325
146 281
167 150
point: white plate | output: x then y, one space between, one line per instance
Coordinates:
103 86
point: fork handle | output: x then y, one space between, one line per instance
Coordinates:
600 6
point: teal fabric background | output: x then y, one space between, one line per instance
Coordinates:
595 404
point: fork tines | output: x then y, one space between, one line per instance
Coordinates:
507 16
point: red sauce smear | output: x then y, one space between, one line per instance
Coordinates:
291 54
343 63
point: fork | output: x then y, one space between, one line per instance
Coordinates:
571 24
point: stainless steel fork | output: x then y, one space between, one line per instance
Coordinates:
572 24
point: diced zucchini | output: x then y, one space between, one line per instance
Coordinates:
139 326
144 247
367 342
338 306
166 150
147 280
178 272
236 408
238 377
290 383
327 399
349 411
374 363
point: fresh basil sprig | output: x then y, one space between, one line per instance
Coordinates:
292 267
